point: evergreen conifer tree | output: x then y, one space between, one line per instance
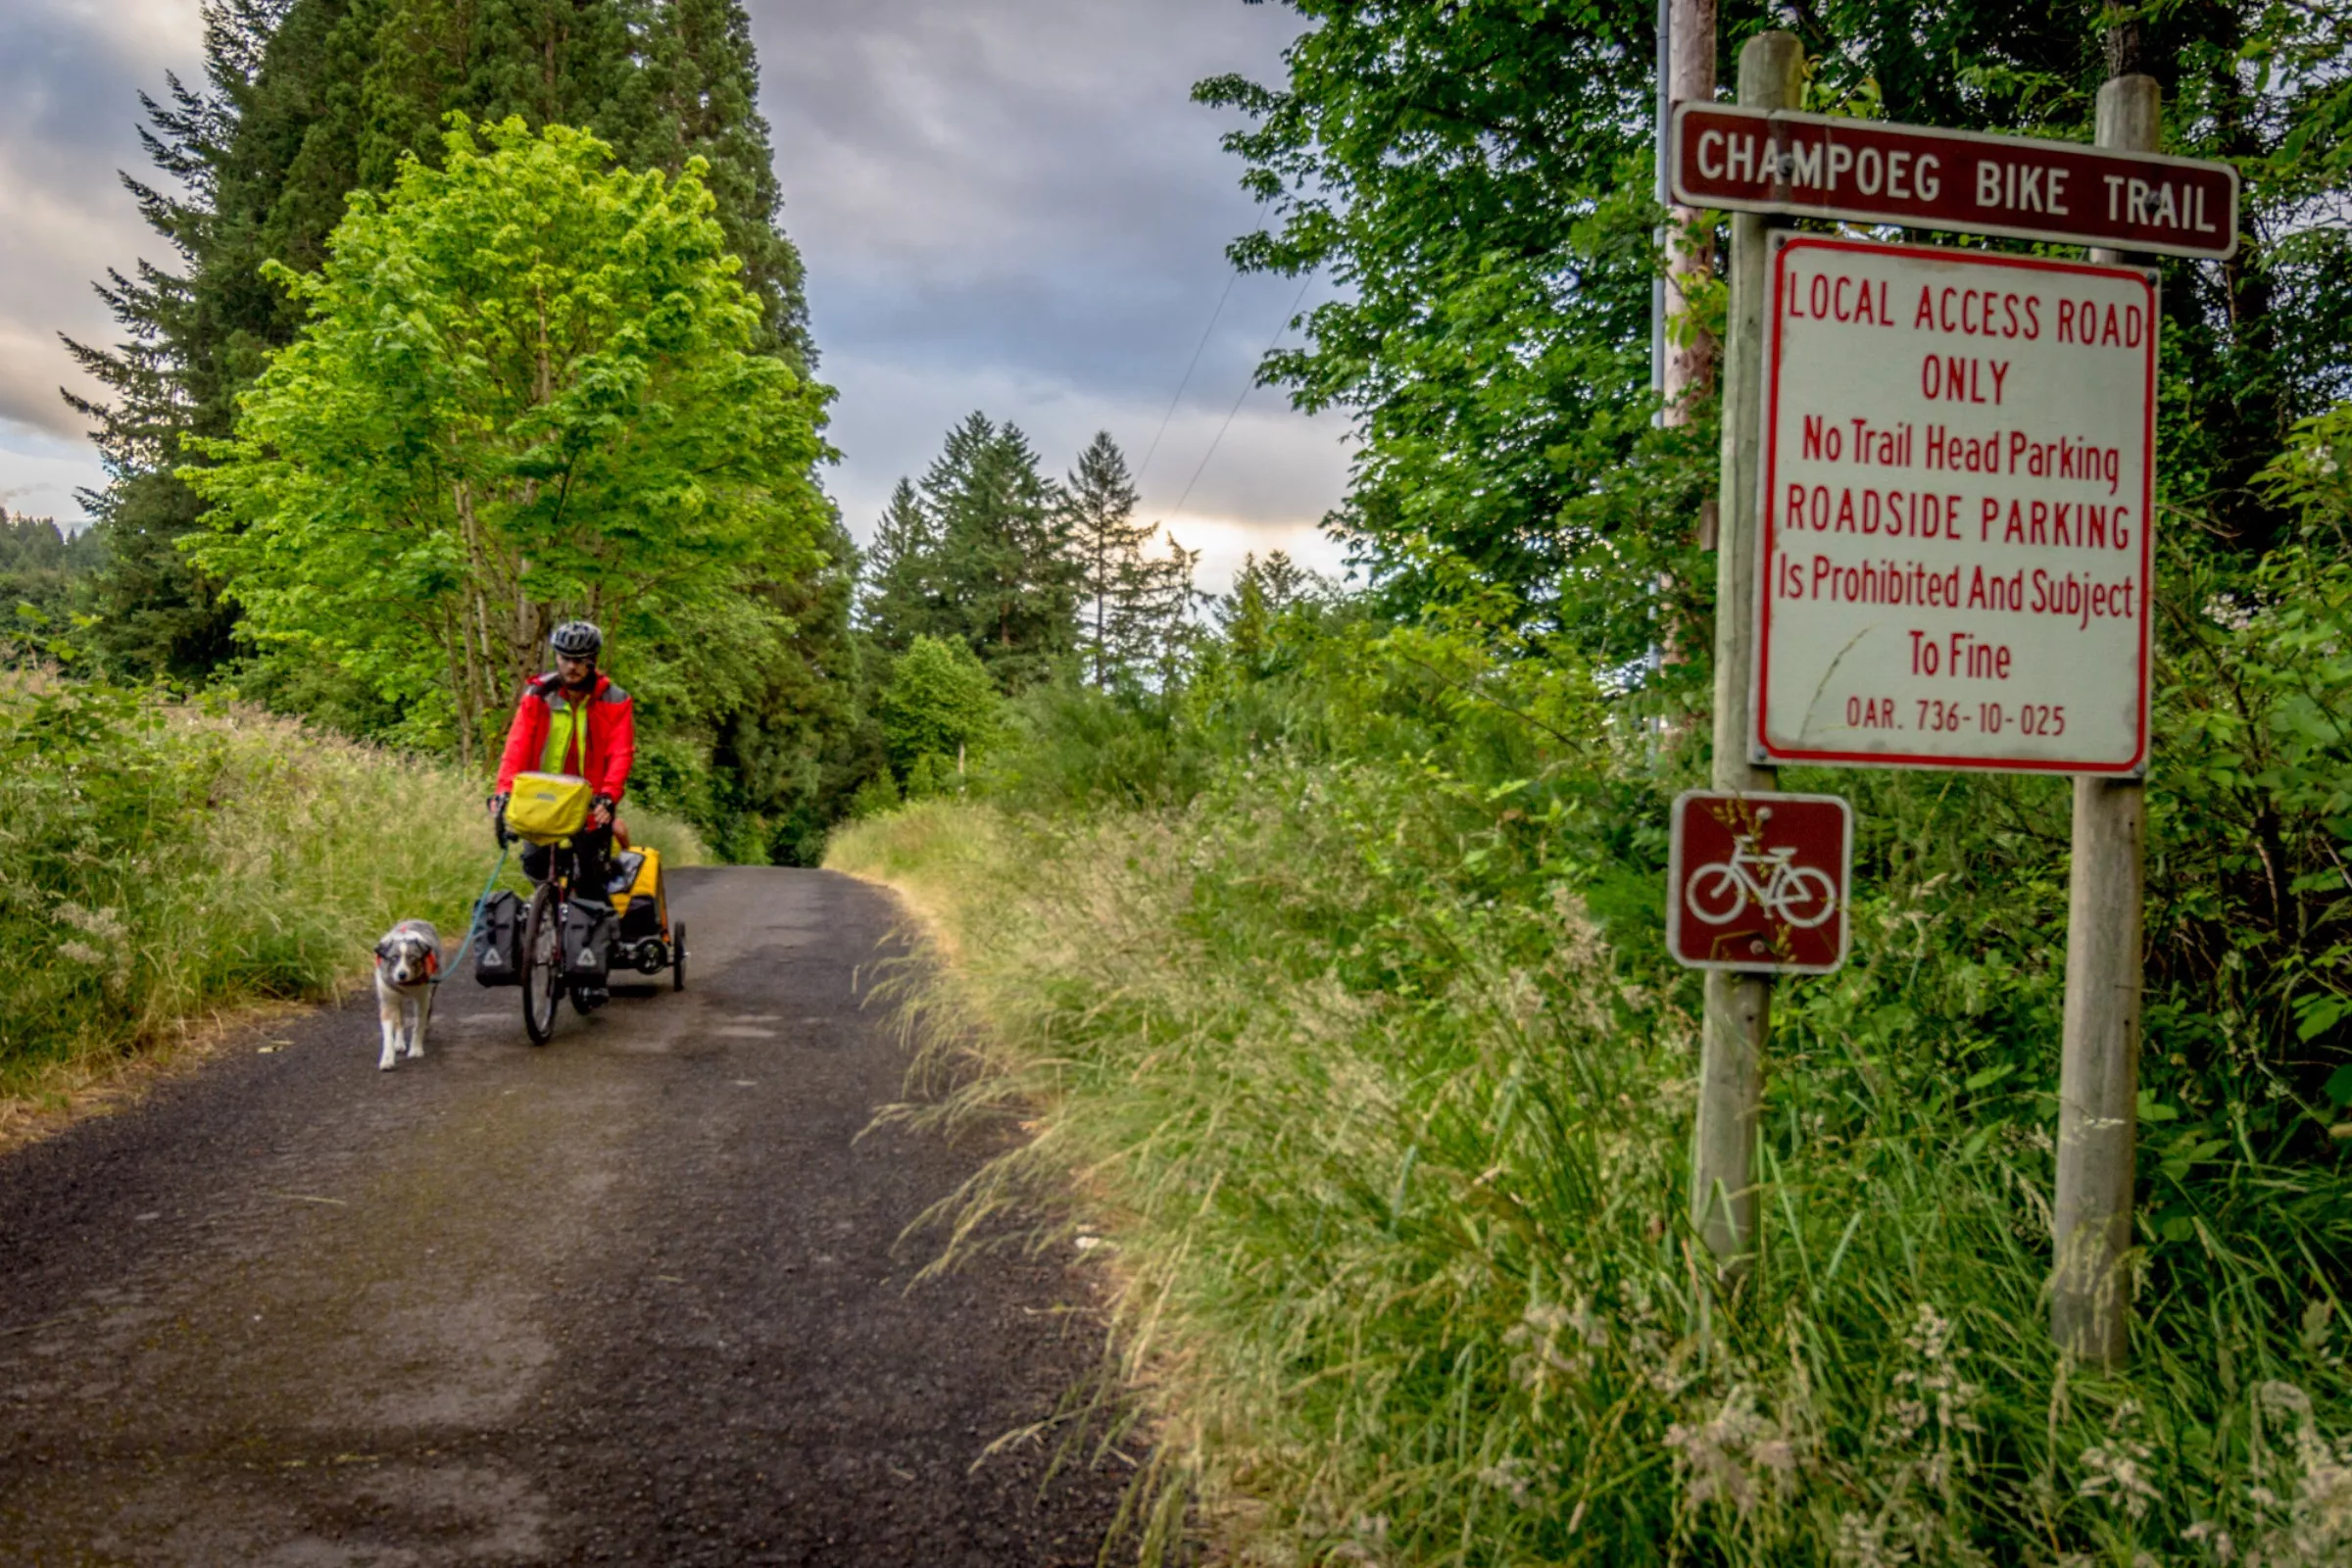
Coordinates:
903 598
1004 554
1106 543
704 89
978 552
1155 625
194 330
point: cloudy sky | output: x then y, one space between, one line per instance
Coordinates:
1005 205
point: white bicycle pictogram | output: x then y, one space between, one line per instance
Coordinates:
1798 896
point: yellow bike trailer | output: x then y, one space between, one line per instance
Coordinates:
646 939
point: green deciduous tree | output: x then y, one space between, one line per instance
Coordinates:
939 707
304 101
1475 177
44 582
527 388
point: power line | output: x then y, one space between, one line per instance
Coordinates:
1214 316
1246 388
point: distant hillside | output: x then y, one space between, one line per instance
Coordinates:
44 567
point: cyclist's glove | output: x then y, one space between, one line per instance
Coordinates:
498 819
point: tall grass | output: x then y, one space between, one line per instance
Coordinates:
161 863
1392 1171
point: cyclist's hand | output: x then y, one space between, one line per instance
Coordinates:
600 811
498 819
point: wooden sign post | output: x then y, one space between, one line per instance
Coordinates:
1739 1007
1934 547
2098 1075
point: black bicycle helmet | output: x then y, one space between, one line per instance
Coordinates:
577 639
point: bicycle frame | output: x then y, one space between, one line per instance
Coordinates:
543 970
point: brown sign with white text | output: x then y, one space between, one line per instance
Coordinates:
1872 171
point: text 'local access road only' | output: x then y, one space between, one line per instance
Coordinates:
1955 552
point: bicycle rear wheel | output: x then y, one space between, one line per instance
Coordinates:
1715 894
542 965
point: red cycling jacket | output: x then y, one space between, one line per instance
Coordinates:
611 735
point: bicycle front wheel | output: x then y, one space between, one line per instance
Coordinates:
1807 899
542 965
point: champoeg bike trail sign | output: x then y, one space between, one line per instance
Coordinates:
1920 176
1937 482
1955 564
1758 882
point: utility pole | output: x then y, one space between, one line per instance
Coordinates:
1689 75
1739 1007
1682 369
2099 1076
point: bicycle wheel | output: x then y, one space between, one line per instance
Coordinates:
1808 897
678 955
542 965
1715 894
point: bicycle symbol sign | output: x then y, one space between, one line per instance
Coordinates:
1758 882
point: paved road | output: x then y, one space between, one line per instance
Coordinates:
630 1299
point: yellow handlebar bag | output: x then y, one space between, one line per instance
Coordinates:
547 807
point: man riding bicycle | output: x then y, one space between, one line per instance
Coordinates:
573 720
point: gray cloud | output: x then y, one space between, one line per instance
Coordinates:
1013 205
69 113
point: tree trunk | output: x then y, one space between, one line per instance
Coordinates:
2122 40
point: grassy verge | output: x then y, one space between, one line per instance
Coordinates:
1393 1170
160 865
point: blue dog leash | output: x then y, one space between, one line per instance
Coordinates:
475 929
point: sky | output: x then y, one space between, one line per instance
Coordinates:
1009 206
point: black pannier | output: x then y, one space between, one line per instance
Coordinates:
498 955
587 940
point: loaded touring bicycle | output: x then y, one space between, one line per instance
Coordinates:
559 943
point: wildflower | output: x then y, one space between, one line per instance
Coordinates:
2283 1398
2118 1477
1720 1458
2318 1527
1510 1476
1932 1394
1540 1329
104 925
1862 1543
2213 1538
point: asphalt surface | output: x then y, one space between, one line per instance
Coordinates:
637 1297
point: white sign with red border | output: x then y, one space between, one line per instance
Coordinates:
1958 476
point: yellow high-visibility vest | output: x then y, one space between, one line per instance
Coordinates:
567 738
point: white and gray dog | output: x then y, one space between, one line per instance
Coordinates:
407 960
